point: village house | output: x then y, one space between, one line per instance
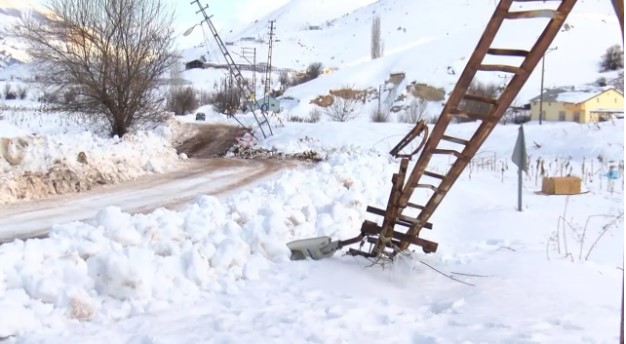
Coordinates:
583 106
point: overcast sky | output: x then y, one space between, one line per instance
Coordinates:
227 14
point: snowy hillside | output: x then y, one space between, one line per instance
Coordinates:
11 50
428 40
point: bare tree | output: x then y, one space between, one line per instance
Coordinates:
613 59
228 99
182 100
376 44
342 109
112 51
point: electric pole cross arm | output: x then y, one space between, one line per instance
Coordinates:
235 72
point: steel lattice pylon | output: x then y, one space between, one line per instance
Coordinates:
262 120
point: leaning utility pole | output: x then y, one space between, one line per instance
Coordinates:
268 68
235 72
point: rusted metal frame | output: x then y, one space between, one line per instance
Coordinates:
391 214
457 94
481 99
352 241
353 252
546 13
454 139
499 68
447 152
418 129
371 228
402 219
507 52
507 97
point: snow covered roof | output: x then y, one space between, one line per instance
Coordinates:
575 97
568 95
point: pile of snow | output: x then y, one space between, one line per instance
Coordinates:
43 155
122 265
191 271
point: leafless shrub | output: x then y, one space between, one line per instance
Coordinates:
227 100
70 95
9 93
342 110
315 115
558 239
49 97
182 100
379 116
22 92
205 97
284 79
313 71
113 51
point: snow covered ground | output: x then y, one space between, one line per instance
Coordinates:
52 153
218 271
429 40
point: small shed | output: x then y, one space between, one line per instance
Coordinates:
273 104
197 63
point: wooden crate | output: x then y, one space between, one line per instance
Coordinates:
561 185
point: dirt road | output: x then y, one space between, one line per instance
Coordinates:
211 140
201 176
173 190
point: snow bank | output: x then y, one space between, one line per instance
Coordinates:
122 265
39 164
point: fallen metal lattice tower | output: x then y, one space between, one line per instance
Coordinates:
235 72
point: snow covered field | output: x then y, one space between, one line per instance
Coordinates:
219 272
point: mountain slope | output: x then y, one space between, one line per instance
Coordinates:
11 49
428 40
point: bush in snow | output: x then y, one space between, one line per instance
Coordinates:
22 92
284 79
312 72
342 109
227 100
613 59
315 115
379 116
182 100
9 94
204 97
